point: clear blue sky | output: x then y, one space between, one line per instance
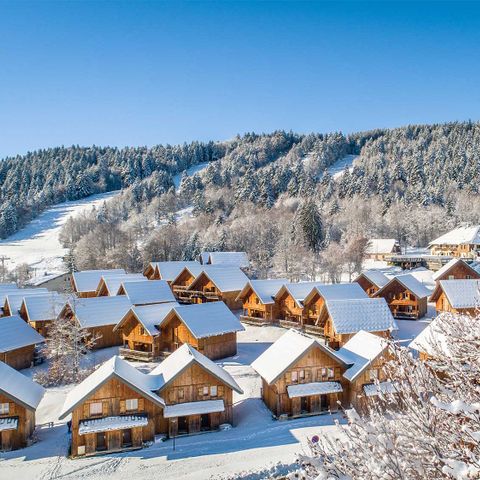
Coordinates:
141 73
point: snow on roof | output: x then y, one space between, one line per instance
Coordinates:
106 424
16 333
193 408
145 292
8 423
236 259
340 291
431 340
207 319
459 236
150 316
46 278
87 280
113 282
299 291
15 299
282 354
449 265
225 278
425 277
386 387
376 277
19 387
313 388
381 245
264 289
194 270
185 356
44 307
99 311
462 293
410 283
115 367
369 314
360 351
170 270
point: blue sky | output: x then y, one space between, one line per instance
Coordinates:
141 73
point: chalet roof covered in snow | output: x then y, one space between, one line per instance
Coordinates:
117 368
193 408
360 351
169 270
369 314
14 300
425 277
225 278
338 291
195 271
46 278
313 388
207 319
150 316
381 246
16 333
431 340
88 280
376 277
44 307
186 356
99 311
282 354
452 263
299 291
20 388
409 282
461 293
113 282
459 236
235 259
264 289
107 424
145 292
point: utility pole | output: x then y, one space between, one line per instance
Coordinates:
3 259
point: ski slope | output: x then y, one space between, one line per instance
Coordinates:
336 170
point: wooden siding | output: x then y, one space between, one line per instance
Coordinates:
204 290
19 358
14 439
459 271
253 307
108 338
443 305
402 302
369 288
288 309
462 250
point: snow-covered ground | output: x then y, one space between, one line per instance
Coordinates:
190 171
257 444
336 170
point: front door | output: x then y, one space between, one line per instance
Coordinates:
101 442
205 422
182 425
127 438
303 404
323 403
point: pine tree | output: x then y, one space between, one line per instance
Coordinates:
309 220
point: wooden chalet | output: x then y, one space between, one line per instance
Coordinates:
55 282
140 330
19 399
114 409
183 280
84 284
372 281
109 284
456 269
98 316
460 242
12 300
314 303
197 392
457 296
257 297
215 284
406 297
41 310
166 270
231 259
342 319
17 342
381 248
145 292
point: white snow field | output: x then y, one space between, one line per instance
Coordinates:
336 170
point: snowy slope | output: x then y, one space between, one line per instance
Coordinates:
190 171
336 170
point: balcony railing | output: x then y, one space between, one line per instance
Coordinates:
290 324
137 354
254 320
314 330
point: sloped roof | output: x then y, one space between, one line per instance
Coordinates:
410 283
338 291
264 289
226 278
431 340
185 356
115 367
145 292
459 236
452 263
46 278
170 270
16 333
87 280
362 349
299 291
99 311
376 277
113 282
149 316
15 298
20 388
424 276
282 354
236 259
461 293
380 245
369 314
194 270
207 319
44 307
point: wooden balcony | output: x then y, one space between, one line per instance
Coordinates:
290 324
314 330
254 320
138 355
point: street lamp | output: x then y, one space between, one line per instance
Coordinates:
174 428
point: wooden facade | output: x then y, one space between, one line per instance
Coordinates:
180 285
290 313
460 270
152 272
19 358
203 290
367 285
255 311
442 304
460 250
16 438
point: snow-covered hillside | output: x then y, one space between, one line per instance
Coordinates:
336 170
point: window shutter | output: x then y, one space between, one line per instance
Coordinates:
220 390
141 405
337 372
122 406
288 377
105 407
200 392
307 375
86 410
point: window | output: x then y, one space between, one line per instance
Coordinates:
96 408
4 408
452 277
331 373
181 394
468 277
213 391
302 374
324 372
294 377
131 404
142 331
206 391
373 375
